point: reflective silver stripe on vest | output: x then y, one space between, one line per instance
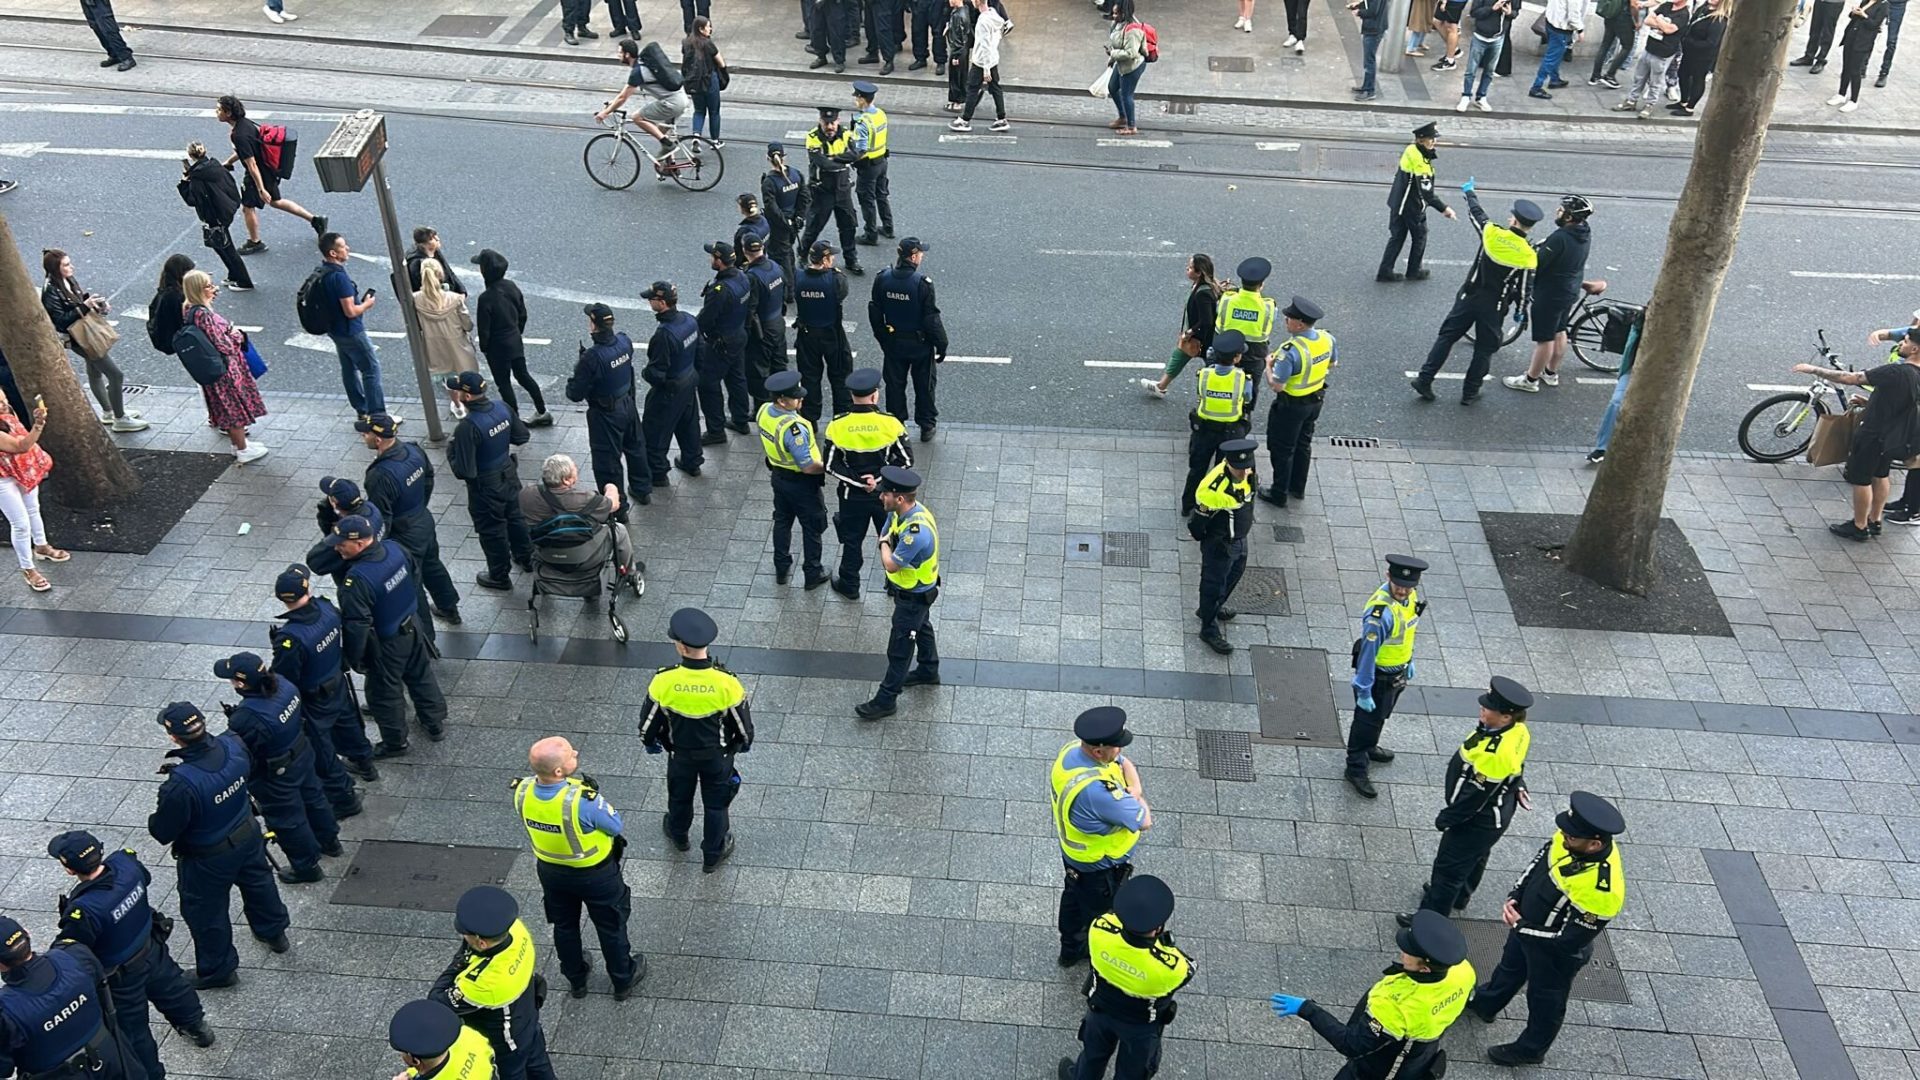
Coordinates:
569 797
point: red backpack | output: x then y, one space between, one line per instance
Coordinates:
278 145
1152 46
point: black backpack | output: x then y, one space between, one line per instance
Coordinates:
564 529
198 354
315 306
664 72
164 319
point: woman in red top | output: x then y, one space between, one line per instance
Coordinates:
23 464
233 402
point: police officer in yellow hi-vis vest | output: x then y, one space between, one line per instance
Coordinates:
1407 206
910 554
494 982
435 1045
577 839
1136 970
1243 308
1099 811
860 443
1573 888
1485 785
1504 254
869 141
1382 664
1298 375
1221 524
697 712
797 469
1224 395
1394 1033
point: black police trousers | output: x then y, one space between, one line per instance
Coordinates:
416 536
1546 969
907 358
859 517
1290 422
723 381
1222 562
1101 1035
335 782
1458 867
833 201
829 30
527 1058
766 354
106 28
335 725
403 667
911 636
930 22
1475 314
718 784
798 497
1086 895
574 13
780 249
1401 230
870 183
151 978
206 883
617 445
1364 734
672 413
1203 453
889 28
626 17
823 352
564 891
295 808
493 501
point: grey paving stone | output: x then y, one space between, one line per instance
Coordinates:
1713 1006
961 1050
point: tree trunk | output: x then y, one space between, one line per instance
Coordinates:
1613 544
88 470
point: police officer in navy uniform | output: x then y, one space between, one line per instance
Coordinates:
909 547
861 442
820 347
906 321
1222 518
204 811
340 497
1382 665
284 788
108 911
1297 373
616 437
400 484
724 318
830 173
672 375
1504 254
767 305
1225 394
308 650
493 982
382 640
753 226
1407 204
783 196
481 453
1136 970
53 1014
797 467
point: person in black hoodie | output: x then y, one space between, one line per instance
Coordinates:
500 316
1558 279
215 199
426 245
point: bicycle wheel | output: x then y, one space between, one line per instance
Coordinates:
1585 334
612 161
696 163
1779 427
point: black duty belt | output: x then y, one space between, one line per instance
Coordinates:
279 762
243 833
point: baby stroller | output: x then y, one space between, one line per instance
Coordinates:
572 554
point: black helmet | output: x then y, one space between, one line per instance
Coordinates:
1576 207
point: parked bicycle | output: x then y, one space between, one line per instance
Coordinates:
613 158
1598 329
1781 426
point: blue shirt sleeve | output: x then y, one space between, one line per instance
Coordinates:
1099 810
1286 364
862 134
1374 629
600 816
798 445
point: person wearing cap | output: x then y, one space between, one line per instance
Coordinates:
783 194
492 983
399 483
753 226
1298 376
1484 786
499 320
906 321
616 431
107 911
204 811
1136 971
1394 1032
1906 509
725 323
797 469
820 348
285 789
308 651
830 176
1223 397
767 308
1407 205
433 1043
1382 665
340 497
1571 891
1887 433
1504 256
53 1019
1222 518
481 453
1099 811
1557 282
860 443
1243 309
698 713
382 640
577 839
870 146
829 35
909 548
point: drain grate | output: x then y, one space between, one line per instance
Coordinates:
1262 591
132 388
1084 547
1358 442
464 26
1180 108
1125 549
1225 755
1290 534
1600 980
419 877
1229 63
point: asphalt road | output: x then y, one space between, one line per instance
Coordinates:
1051 252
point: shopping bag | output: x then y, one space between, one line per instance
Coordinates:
1833 437
255 364
1098 87
92 336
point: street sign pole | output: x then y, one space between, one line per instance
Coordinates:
1394 44
403 294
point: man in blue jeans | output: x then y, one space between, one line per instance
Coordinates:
359 367
1566 21
1373 26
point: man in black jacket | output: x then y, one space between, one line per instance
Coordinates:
215 199
426 245
500 317
1373 26
1407 206
1557 282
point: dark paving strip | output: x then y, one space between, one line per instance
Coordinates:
526 25
1798 1010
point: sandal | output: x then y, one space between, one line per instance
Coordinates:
36 581
51 553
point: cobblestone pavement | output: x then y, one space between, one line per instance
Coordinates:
889 910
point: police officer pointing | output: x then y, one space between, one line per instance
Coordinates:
1484 786
308 649
616 438
284 786
1382 665
767 307
491 982
910 553
870 144
698 713
1224 393
53 1021
672 413
400 484
797 469
481 453
1298 376
861 443
433 1043
1504 254
1099 811
820 346
1222 519
783 195
829 153
381 639
906 321
1136 971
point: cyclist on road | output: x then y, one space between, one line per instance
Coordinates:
669 101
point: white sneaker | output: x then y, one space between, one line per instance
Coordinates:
1288 44
1673 93
1850 106
1481 104
1247 26
1152 386
272 15
1300 48
1001 124
1239 23
1551 378
1464 102
1520 382
130 422
1836 99
957 124
253 452
288 15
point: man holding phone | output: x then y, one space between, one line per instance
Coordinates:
359 366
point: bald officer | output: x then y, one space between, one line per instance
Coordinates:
433 1043
490 982
1099 811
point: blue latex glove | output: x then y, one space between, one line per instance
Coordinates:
1287 1005
1409 671
1363 699
654 748
1467 185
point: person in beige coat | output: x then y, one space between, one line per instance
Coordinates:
446 327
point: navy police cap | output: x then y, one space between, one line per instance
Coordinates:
1428 130
1303 309
378 424
910 244
351 527
1405 569
1103 725
786 384
1526 211
245 666
1504 695
485 911
1143 904
1588 816
183 718
1239 452
865 89
293 582
863 380
692 627
14 942
76 850
1229 343
340 490
776 148
423 1029
467 382
899 479
1433 937
1254 271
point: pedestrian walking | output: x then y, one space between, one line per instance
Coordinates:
1099 811
1222 519
616 433
494 979
723 319
99 15
1373 26
1820 31
983 60
53 1021
1566 24
820 349
1407 202
910 554
1382 665
481 453
1604 436
1864 21
500 320
905 319
346 306
1484 785
1559 277
860 443
215 198
1223 397
1297 375
1446 18
24 464
830 176
427 247
1196 323
1489 26
1297 26
380 639
1136 971
286 791
399 483
446 326
1621 21
1504 254
80 318
703 72
1896 11
1126 63
1889 431
276 12
1700 53
868 144
783 198
166 312
259 152
959 39
233 400
672 375
1663 27
698 713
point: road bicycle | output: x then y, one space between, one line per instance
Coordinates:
613 158
1781 426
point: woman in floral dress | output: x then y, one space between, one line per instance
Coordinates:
233 402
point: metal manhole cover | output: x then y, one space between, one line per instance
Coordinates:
1262 591
1229 63
1225 755
1290 534
1125 549
419 877
1180 108
1084 547
463 26
1358 442
1600 980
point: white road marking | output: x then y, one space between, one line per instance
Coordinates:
979 360
31 149
141 316
1079 254
1150 143
1852 277
532 288
1448 262
1586 380
1276 146
799 135
962 137
1776 388
1130 365
1442 375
